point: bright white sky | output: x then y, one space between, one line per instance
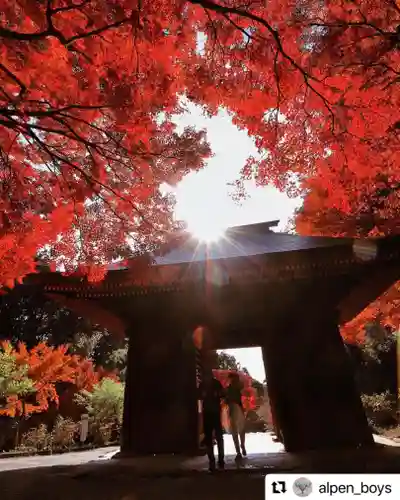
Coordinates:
204 201
250 358
203 198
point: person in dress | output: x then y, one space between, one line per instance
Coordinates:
236 414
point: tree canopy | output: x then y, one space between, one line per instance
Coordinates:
89 89
32 317
225 361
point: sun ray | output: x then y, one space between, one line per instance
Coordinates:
206 231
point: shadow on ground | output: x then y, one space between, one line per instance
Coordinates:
160 477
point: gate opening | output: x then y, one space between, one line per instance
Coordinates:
258 423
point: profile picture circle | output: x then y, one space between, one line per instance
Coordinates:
302 487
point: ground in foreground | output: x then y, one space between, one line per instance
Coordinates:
162 478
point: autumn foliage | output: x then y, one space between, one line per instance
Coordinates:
89 88
370 217
46 367
317 217
84 148
86 375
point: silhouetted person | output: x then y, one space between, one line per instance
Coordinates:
236 414
211 393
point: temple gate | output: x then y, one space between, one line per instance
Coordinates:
286 293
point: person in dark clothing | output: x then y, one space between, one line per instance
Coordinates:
211 393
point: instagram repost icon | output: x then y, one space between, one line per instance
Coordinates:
302 487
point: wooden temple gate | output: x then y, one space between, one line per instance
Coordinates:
285 293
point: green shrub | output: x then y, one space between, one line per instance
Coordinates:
105 408
14 380
105 403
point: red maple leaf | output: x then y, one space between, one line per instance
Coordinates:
89 90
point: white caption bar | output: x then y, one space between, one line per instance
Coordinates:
326 486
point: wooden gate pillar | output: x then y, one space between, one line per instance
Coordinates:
312 387
160 412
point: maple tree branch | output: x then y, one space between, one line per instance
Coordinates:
69 132
123 198
50 112
97 31
15 78
225 10
215 37
222 9
279 96
277 78
51 31
242 30
27 37
8 124
122 149
92 181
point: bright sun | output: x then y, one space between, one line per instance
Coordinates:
206 215
207 230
